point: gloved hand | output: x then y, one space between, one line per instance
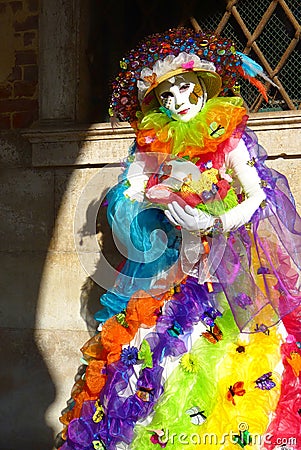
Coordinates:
191 219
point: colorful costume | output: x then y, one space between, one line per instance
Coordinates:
189 350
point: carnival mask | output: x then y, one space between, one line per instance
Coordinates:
183 96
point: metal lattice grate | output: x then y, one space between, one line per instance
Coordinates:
269 31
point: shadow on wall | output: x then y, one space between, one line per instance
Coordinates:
26 387
91 290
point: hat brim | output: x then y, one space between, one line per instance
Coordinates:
211 80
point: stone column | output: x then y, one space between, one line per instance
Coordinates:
58 61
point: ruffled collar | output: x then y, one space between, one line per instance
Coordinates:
214 125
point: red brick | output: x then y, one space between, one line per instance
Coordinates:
29 36
16 6
33 5
24 89
31 73
16 74
26 57
22 104
30 23
5 91
4 121
24 119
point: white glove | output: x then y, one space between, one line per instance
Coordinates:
191 219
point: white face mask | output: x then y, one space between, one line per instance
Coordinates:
183 95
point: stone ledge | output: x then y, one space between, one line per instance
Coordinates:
97 144
275 120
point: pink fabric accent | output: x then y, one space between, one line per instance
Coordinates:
189 65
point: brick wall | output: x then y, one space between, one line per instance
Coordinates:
19 64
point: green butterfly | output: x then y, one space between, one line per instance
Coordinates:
98 445
120 317
216 130
145 354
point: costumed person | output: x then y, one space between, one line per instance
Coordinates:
204 316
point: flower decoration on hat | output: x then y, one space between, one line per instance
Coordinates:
178 50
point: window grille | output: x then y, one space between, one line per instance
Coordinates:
269 32
266 30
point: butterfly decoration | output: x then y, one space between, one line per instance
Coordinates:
265 382
197 416
175 330
298 344
252 162
196 94
243 300
262 328
145 354
213 334
263 183
243 438
209 315
152 79
263 204
120 317
144 393
299 412
98 445
216 130
262 270
188 65
99 412
236 389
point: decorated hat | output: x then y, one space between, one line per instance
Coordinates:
163 55
171 66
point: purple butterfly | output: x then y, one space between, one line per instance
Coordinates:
265 382
263 270
243 300
209 315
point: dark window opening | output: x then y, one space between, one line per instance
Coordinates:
118 26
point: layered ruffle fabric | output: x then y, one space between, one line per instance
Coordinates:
174 356
211 130
227 391
260 267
